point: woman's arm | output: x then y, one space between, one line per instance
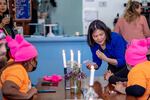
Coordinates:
145 27
102 56
119 47
96 59
11 91
111 61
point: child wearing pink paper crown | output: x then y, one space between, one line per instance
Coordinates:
138 84
14 77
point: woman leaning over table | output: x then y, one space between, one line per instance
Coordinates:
110 47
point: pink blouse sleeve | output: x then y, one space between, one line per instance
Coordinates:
145 27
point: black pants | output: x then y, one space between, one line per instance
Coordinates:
148 57
120 74
114 69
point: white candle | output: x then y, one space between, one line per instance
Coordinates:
79 58
92 75
64 58
72 58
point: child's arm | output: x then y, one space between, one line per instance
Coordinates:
135 90
11 91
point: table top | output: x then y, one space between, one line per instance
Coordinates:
102 88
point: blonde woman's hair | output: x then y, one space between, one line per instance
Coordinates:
130 13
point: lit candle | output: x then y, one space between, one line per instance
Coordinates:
72 58
92 75
64 58
79 58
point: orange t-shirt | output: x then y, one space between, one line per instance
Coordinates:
140 75
17 74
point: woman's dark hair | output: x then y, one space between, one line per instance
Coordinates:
7 11
95 25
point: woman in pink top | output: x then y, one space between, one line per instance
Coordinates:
133 25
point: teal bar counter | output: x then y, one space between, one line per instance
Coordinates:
50 55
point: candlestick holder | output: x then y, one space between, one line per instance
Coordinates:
74 75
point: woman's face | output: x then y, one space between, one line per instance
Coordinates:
99 37
3 6
139 10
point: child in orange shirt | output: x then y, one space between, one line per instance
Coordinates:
14 77
138 84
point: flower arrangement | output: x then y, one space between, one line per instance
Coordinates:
74 72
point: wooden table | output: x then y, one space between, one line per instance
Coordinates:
102 88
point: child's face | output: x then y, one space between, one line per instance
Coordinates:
3 6
99 37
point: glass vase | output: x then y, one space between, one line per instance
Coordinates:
75 86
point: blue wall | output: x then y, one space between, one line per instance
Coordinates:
68 14
50 55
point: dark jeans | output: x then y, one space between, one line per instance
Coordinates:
120 74
148 57
114 69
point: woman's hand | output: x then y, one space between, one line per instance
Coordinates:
101 55
6 20
88 65
120 87
107 75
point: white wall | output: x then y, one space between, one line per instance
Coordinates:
107 10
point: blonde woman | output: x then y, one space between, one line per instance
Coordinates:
133 25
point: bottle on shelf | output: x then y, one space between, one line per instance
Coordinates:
116 19
144 2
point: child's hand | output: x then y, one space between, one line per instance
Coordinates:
32 92
124 84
